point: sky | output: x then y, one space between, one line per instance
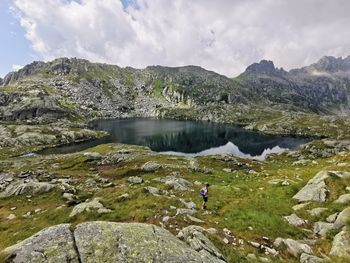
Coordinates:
222 35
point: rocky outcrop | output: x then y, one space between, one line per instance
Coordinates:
314 190
33 183
111 242
43 107
27 70
31 187
30 135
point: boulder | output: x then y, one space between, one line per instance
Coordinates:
306 258
152 190
11 217
195 238
294 220
342 219
293 247
343 199
341 245
321 228
332 218
71 198
135 180
150 167
89 206
314 190
189 205
112 242
123 197
184 211
175 182
31 187
195 219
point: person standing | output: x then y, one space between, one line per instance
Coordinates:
204 192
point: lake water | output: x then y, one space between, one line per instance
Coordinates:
187 138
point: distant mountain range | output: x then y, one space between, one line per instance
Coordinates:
76 87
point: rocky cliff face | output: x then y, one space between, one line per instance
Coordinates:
76 88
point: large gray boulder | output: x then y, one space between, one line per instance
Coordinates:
314 190
99 241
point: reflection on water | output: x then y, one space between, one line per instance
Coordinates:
231 149
186 138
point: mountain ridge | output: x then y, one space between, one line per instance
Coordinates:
78 88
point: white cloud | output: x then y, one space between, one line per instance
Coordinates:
225 36
16 67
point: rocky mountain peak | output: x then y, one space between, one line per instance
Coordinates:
263 67
331 64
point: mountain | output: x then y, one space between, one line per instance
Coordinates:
77 88
323 87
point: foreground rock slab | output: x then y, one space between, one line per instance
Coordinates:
110 242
